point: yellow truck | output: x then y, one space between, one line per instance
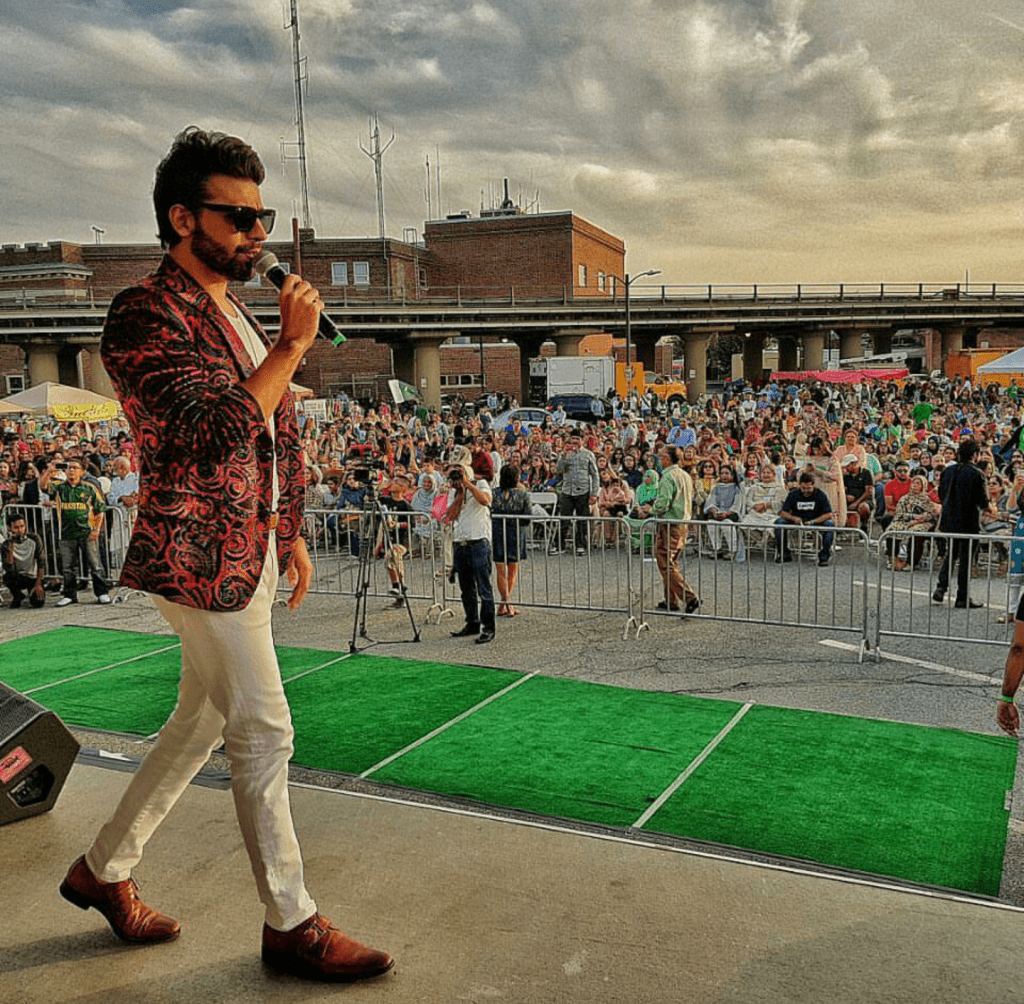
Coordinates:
671 392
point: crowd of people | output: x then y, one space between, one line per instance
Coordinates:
865 453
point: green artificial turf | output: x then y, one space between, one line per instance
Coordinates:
39 659
906 801
354 714
918 803
134 698
565 748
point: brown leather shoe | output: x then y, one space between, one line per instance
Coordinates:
130 918
317 950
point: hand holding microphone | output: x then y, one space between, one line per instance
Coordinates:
268 265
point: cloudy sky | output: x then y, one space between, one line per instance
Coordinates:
723 140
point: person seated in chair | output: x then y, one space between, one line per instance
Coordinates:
724 507
805 506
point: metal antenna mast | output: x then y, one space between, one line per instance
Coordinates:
377 156
301 79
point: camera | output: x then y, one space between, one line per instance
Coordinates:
455 476
61 466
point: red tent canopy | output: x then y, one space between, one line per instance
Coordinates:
843 376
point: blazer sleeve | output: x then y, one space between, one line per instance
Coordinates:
153 349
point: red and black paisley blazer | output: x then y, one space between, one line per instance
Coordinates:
205 456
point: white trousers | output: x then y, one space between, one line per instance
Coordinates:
230 691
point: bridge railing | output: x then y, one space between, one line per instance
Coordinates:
547 294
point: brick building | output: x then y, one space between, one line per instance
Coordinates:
537 254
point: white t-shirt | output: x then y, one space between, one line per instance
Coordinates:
474 521
257 353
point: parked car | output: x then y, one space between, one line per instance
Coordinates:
528 418
582 407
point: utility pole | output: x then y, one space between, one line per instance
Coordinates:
301 79
377 156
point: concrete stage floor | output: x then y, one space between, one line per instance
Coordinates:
482 909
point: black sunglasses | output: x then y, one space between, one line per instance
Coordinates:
244 218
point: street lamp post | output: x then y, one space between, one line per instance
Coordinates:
629 280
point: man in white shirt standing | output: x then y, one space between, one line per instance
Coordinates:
469 500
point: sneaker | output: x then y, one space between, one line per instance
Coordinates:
396 592
65 601
103 598
554 549
581 551
824 562
780 558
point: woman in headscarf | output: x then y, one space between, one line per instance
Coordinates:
422 505
723 508
645 495
916 513
1015 566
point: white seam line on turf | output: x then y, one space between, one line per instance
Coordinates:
447 725
701 757
323 665
924 664
631 841
101 669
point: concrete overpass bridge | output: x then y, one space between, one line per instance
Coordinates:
799 316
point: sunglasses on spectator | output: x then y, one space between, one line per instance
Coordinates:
243 218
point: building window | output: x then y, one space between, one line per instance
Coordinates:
339 273
582 270
361 273
601 281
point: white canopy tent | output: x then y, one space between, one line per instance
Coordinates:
1012 362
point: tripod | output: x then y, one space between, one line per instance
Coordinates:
375 518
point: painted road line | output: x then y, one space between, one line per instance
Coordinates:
447 725
702 756
923 663
102 669
893 589
323 665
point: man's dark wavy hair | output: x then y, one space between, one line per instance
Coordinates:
194 156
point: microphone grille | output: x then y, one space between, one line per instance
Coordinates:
265 262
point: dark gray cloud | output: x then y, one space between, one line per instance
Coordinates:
722 139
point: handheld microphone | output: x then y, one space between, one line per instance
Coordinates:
268 265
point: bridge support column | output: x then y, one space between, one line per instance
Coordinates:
403 359
814 350
99 381
753 356
427 364
850 343
43 364
952 341
695 361
787 353
881 342
567 343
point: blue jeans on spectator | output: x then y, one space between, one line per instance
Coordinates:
472 561
825 539
88 552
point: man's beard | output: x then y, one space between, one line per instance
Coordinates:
235 264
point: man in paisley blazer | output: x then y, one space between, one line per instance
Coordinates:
220 511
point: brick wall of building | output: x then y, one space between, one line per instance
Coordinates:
534 253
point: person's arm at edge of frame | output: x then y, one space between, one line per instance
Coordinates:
1007 715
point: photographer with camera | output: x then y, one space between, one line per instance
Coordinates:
469 504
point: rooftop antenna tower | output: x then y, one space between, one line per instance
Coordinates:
301 81
377 156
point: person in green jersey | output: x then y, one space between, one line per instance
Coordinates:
80 509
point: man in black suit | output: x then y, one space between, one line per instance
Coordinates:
963 496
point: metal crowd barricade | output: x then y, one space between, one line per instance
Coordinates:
743 581
908 567
42 519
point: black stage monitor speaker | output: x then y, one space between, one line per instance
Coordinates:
36 754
